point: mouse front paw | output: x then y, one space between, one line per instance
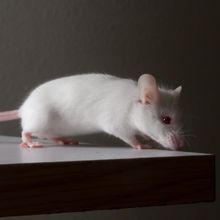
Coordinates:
62 141
140 146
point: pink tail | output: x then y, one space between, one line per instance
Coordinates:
9 115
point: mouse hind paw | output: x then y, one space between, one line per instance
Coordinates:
27 141
31 145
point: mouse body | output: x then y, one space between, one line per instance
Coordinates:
91 103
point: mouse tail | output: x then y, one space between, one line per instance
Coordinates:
9 115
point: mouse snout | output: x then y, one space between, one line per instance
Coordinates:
173 141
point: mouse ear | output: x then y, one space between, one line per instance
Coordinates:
148 90
178 90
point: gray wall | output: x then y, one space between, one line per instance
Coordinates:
175 40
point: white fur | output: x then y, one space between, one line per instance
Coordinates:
91 103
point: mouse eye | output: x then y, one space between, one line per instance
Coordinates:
166 119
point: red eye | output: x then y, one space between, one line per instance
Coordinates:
166 119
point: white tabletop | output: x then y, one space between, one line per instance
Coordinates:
12 153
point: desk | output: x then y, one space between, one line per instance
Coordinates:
56 179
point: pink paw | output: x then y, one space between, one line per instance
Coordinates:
141 146
36 145
31 145
138 146
62 141
23 144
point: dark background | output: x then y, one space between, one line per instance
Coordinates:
177 41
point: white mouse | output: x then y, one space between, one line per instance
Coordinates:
90 103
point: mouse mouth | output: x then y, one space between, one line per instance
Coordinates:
172 142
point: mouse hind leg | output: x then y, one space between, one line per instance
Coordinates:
27 140
42 122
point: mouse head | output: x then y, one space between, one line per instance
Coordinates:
158 114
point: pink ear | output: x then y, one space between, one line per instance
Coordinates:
149 96
148 89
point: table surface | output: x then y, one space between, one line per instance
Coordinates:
56 179
12 153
